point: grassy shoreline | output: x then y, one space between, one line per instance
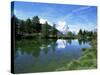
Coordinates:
87 61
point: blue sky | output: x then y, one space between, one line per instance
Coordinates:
74 16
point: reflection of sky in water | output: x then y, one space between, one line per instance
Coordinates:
61 43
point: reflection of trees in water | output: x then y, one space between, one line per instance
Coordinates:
45 45
33 46
48 42
69 41
82 41
53 46
29 46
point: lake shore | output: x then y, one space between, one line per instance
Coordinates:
87 61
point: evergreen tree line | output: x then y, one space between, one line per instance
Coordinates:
87 34
33 26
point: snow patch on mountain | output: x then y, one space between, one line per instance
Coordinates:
62 27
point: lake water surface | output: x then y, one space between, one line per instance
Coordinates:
42 55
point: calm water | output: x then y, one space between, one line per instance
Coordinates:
46 55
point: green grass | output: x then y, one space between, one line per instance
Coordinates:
87 61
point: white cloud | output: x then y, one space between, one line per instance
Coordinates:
42 21
81 9
61 23
50 23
